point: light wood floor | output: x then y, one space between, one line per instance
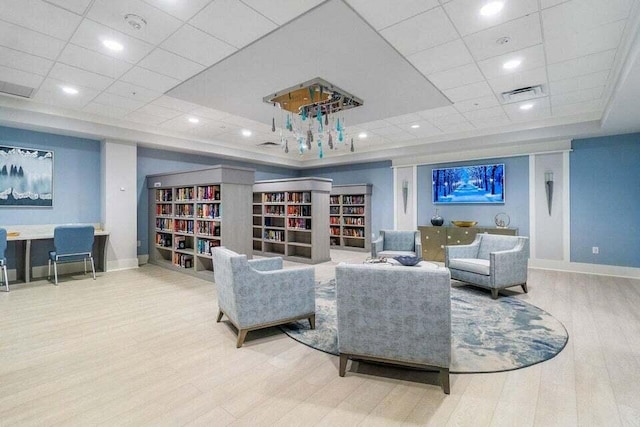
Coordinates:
141 347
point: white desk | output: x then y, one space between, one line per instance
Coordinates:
29 233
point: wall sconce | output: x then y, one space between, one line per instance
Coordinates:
405 193
548 186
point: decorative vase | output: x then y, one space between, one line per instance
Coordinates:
437 220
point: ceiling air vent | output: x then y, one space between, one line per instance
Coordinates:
522 94
7 88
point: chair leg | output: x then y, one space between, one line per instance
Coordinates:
93 268
343 364
6 278
220 314
444 379
84 261
494 293
55 273
242 334
524 288
312 321
49 270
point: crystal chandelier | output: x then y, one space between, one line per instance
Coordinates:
310 115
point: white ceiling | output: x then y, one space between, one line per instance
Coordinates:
575 49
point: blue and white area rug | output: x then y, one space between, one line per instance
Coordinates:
487 335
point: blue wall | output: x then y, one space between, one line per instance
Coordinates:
516 196
605 200
379 174
152 161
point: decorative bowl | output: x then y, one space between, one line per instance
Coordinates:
408 260
464 223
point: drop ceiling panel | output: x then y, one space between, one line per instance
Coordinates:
170 64
40 16
584 43
449 120
550 3
112 14
223 18
404 118
540 109
446 56
474 90
156 110
425 129
20 77
75 6
93 61
80 77
456 127
24 61
420 32
237 84
281 11
583 65
484 113
519 80
573 17
438 112
110 99
145 119
28 41
455 77
577 108
466 16
182 10
476 104
105 110
383 13
175 104
135 92
90 35
390 129
51 93
587 81
210 113
495 122
523 33
576 97
198 46
530 58
149 79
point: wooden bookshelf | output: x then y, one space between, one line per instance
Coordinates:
350 217
192 212
290 219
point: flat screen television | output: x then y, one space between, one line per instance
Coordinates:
469 184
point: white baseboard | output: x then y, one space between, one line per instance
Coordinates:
41 271
143 259
122 264
580 267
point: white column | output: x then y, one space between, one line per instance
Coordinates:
119 204
405 218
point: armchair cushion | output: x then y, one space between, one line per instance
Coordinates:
474 265
392 243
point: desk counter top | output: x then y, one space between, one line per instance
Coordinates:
44 231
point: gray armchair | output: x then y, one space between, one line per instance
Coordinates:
492 261
391 243
399 315
256 294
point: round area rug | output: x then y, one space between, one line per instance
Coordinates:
487 335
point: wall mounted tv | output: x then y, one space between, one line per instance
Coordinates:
469 184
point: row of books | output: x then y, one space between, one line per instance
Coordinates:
204 246
182 260
209 192
164 209
276 235
273 197
164 196
353 210
334 220
208 228
299 210
184 226
209 210
353 200
299 197
274 210
184 210
163 240
300 223
353 220
185 193
164 224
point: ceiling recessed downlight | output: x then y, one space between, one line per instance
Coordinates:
526 107
512 64
415 126
491 8
69 90
112 45
246 132
193 120
362 135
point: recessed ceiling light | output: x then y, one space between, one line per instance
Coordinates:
112 45
510 65
526 106
69 90
246 132
362 135
491 8
415 126
193 120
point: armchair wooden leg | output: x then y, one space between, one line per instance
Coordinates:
242 334
343 364
220 314
55 273
494 293
312 321
524 288
444 379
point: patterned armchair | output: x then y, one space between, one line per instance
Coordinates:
256 294
399 315
492 261
392 243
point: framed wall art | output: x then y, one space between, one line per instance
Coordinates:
26 177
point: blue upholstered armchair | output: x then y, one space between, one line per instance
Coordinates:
492 261
392 243
256 294
3 259
72 243
400 315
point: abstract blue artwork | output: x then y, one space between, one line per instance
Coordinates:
469 184
26 177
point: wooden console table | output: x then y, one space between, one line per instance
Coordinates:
434 239
30 233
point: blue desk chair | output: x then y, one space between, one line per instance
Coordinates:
72 243
3 260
